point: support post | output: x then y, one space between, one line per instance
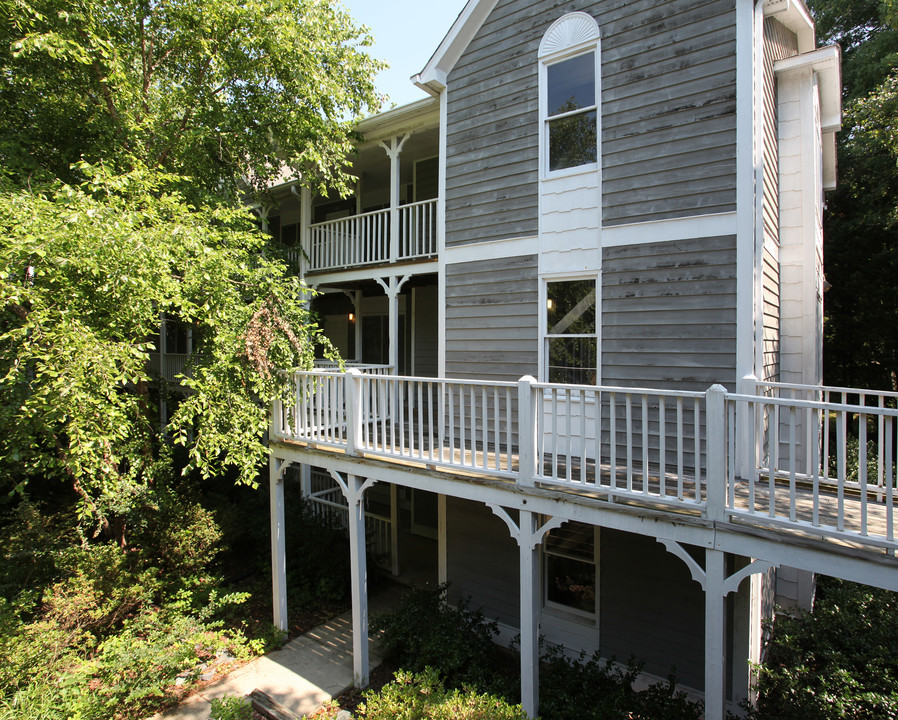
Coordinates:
352 392
442 552
529 564
393 150
715 634
745 450
278 545
359 572
394 529
526 431
392 288
716 437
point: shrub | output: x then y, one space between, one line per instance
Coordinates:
590 688
423 696
840 661
427 632
231 707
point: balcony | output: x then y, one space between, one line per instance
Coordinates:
370 239
814 463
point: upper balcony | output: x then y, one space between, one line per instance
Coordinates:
391 215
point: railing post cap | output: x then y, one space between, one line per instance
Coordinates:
527 379
353 371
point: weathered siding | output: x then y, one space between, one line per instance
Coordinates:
668 115
491 319
426 340
669 314
779 42
482 561
665 629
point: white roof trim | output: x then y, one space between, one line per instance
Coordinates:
433 77
794 14
826 63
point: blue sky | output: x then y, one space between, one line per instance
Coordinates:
406 33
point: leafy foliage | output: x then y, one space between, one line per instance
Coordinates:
861 252
425 635
423 696
837 662
231 707
589 688
425 631
227 93
84 274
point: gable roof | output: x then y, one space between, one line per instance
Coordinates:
432 78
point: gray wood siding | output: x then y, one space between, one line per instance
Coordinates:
426 331
779 42
665 629
491 319
669 314
668 115
482 561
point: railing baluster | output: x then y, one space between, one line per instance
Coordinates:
793 429
680 449
612 426
862 467
645 443
697 448
774 460
662 447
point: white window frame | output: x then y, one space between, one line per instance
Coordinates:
572 35
545 336
559 609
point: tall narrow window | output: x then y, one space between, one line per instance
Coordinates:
570 567
569 94
571 112
571 339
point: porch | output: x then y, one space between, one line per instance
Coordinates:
778 474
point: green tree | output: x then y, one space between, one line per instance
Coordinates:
860 231
134 132
84 274
225 92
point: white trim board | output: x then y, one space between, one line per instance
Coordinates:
684 228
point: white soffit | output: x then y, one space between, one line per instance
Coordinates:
433 77
826 63
794 14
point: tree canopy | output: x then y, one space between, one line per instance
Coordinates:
134 133
861 218
226 93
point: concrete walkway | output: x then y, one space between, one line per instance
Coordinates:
306 672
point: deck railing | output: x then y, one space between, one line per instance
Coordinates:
366 239
168 365
820 466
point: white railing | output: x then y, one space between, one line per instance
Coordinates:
367 239
818 466
621 441
328 505
825 466
348 242
168 365
417 229
369 368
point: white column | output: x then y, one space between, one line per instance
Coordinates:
716 455
393 150
715 635
278 546
392 288
442 552
394 529
530 610
359 571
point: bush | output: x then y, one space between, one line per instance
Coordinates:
423 696
231 707
840 661
589 688
427 632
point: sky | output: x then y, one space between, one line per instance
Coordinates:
406 33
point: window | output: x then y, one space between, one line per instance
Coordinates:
570 567
571 341
569 93
571 112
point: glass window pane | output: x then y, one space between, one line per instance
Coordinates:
571 307
571 582
572 84
573 141
573 360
